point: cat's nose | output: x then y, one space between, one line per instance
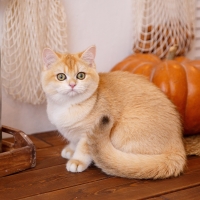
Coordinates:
72 85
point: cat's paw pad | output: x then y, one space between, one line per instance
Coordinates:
67 153
75 166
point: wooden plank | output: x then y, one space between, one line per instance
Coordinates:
37 142
94 190
118 188
49 157
191 193
40 144
45 180
51 137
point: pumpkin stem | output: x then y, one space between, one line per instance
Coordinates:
172 52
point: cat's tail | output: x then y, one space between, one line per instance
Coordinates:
117 163
192 145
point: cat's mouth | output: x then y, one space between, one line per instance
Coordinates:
72 92
69 92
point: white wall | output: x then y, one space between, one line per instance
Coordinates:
105 23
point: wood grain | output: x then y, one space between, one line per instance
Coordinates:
190 193
49 157
50 180
52 137
120 188
45 180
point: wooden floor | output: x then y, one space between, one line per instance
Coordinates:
50 180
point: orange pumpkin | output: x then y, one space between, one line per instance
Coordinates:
179 79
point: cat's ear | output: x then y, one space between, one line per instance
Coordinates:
49 57
89 55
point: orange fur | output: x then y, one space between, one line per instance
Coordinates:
142 136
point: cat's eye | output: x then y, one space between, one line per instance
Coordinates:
61 77
80 75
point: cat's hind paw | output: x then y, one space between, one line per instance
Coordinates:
75 166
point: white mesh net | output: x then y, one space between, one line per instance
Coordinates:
159 24
29 26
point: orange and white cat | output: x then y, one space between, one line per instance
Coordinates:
119 120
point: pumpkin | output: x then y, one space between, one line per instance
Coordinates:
178 78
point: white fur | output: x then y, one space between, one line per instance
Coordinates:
84 160
68 151
64 112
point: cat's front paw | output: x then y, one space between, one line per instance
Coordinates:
76 166
67 153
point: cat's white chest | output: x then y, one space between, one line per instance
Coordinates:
69 119
63 115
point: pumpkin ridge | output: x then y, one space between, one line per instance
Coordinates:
153 72
140 65
169 83
128 62
166 89
183 64
180 107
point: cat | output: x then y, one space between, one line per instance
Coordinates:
119 120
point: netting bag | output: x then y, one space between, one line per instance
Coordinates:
29 26
160 24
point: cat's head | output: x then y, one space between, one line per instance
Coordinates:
68 77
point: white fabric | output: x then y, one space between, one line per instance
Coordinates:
159 24
29 26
